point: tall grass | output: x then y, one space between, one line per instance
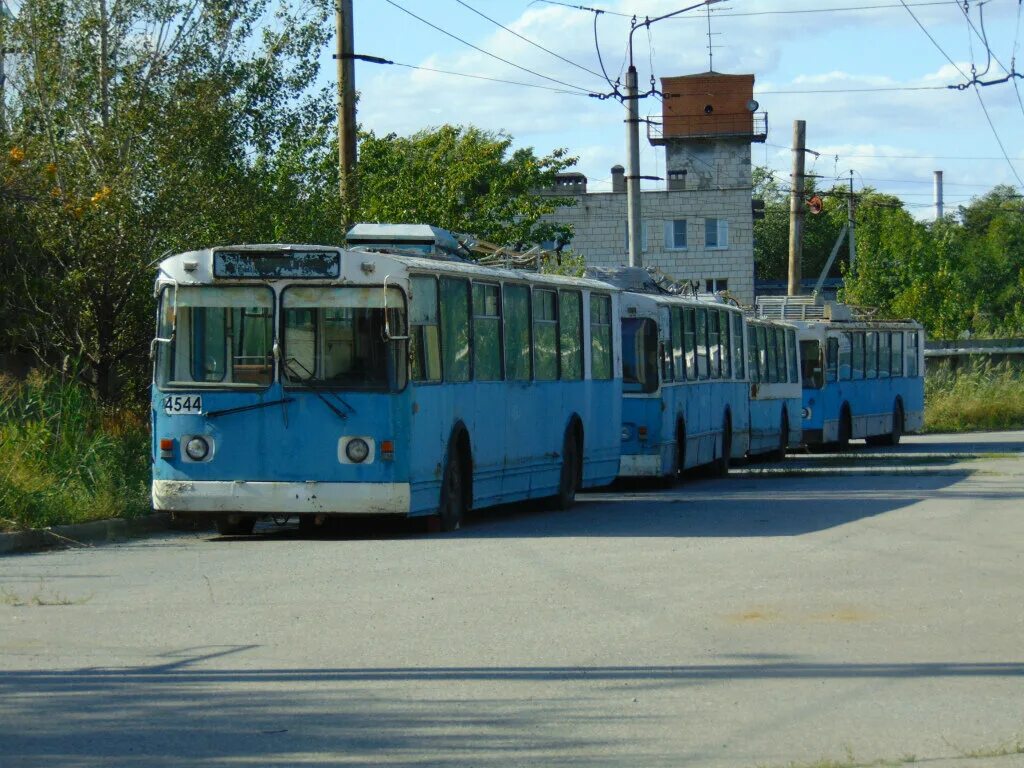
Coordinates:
66 459
978 398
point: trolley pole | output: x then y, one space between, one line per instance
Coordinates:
346 113
796 208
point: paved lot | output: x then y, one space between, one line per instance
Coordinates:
761 620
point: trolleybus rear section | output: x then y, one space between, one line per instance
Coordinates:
863 377
311 381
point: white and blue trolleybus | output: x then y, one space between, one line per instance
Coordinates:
862 377
684 378
773 366
390 378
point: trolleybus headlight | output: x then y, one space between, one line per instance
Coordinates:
357 450
627 433
197 448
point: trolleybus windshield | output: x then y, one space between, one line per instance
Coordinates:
218 336
335 337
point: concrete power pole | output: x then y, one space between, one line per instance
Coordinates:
346 113
633 171
851 208
796 208
938 195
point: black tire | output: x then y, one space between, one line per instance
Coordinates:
893 438
779 454
721 467
453 498
843 441
567 481
235 525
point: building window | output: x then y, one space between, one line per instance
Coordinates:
643 236
675 235
716 284
716 233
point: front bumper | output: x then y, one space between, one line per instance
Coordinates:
639 465
215 496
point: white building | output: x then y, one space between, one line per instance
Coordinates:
700 227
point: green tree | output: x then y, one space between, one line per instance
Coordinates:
463 179
143 127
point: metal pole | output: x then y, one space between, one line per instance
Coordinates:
938 195
850 209
633 172
346 112
796 208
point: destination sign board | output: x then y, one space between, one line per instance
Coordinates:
277 264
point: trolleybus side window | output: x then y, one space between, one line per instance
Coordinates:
726 345
780 352
912 361
639 355
425 332
810 364
516 315
897 353
570 323
690 342
871 355
678 358
737 345
794 363
600 337
832 359
455 328
714 348
752 353
884 355
665 352
845 350
857 369
765 337
545 335
486 332
702 343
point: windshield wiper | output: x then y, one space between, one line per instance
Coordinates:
293 378
253 407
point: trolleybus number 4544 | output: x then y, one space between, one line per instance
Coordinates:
192 404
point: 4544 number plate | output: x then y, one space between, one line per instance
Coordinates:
178 404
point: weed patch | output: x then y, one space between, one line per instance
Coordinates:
982 398
64 458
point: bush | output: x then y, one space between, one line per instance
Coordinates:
982 397
64 458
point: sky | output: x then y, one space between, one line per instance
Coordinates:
892 140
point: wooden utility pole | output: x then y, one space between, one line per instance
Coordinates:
346 112
796 208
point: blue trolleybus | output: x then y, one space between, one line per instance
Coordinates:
314 382
773 365
683 379
862 377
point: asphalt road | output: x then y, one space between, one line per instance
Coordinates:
769 619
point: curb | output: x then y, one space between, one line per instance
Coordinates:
85 534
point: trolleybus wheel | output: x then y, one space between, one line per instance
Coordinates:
235 525
570 471
894 435
779 454
843 441
722 465
452 497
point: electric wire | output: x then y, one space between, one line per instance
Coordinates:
526 39
904 157
934 41
995 133
485 52
491 79
877 6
